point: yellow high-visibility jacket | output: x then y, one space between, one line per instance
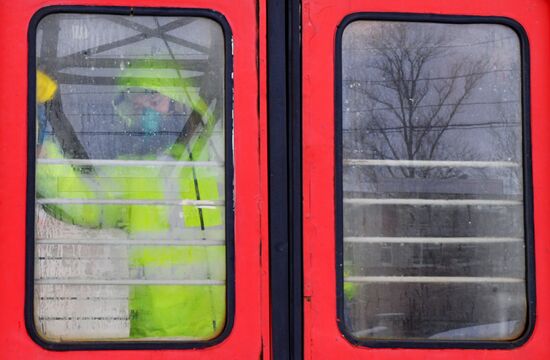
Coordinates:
194 311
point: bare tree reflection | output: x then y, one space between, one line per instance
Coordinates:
411 100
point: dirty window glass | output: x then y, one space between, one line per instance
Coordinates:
130 178
432 207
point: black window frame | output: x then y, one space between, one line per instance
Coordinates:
229 179
527 182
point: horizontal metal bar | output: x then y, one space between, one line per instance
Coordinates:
438 202
83 318
197 203
85 298
432 279
130 242
429 240
104 62
103 162
126 282
430 163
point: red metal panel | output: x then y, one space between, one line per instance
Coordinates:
251 287
323 339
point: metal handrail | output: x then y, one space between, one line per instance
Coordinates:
439 202
114 242
175 202
429 240
204 282
430 163
432 279
105 162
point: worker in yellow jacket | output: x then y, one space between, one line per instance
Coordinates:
134 201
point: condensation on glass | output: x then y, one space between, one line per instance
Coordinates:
130 159
433 209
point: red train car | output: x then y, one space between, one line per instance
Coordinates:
303 179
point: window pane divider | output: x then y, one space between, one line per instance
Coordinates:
431 163
432 279
430 240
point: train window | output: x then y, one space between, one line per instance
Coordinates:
430 182
132 143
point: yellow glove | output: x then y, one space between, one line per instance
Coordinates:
45 87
